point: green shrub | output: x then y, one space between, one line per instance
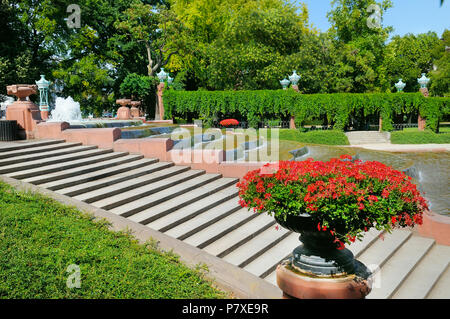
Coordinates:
256 106
426 137
332 137
40 238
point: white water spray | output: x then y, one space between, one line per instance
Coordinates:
66 110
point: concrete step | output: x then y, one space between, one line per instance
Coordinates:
382 249
54 177
241 235
399 266
187 212
426 274
45 157
358 247
267 262
130 184
272 278
123 164
220 228
49 169
440 290
38 149
257 246
132 199
205 219
160 204
119 174
367 137
28 144
84 152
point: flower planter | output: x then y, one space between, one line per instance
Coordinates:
330 203
317 269
317 255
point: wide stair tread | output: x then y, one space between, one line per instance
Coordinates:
241 235
160 204
255 247
440 290
46 157
267 262
187 212
358 247
426 275
48 176
129 163
120 173
38 149
131 184
219 229
399 266
79 153
47 169
28 144
203 220
137 194
382 249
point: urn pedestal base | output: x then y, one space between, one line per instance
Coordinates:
123 113
27 115
296 284
134 111
45 115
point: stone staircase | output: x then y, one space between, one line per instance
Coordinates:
202 210
368 137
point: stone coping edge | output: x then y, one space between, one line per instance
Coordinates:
226 276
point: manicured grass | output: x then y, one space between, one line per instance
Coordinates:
417 137
40 238
315 137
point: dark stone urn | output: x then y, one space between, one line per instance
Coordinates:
317 269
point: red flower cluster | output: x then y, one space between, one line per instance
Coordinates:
344 197
229 122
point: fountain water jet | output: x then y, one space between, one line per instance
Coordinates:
66 110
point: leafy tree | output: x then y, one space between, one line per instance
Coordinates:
360 41
408 56
440 77
142 23
238 44
141 88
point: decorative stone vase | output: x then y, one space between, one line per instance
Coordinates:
135 109
123 113
24 111
317 268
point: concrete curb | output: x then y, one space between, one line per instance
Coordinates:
226 276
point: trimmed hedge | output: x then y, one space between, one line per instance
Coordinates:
420 138
256 106
331 137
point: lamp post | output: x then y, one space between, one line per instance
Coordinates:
169 80
423 81
294 78
162 75
284 83
400 85
159 108
43 85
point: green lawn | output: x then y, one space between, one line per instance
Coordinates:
40 238
417 137
315 137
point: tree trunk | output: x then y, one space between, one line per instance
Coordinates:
150 61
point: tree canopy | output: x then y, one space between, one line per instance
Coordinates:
212 45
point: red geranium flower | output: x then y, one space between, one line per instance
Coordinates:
229 122
330 191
